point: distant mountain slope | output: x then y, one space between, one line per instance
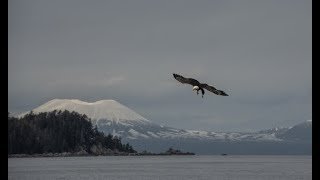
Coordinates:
112 117
299 132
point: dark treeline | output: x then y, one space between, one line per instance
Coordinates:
58 132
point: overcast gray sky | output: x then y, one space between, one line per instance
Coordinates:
257 51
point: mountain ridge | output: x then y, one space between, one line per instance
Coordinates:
112 117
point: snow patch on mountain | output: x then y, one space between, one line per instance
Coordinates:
153 134
136 134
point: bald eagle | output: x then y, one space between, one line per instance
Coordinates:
198 86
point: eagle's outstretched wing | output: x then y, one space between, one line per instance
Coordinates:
214 90
184 80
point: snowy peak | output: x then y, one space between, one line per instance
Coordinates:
104 109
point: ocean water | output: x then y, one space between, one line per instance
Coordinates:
199 167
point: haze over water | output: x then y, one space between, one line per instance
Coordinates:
162 167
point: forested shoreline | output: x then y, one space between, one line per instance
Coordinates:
60 133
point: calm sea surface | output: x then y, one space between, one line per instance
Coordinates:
162 167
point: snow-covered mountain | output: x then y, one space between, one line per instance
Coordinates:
299 132
112 117
99 110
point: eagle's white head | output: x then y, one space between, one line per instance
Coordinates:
195 88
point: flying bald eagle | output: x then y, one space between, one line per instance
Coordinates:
198 86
